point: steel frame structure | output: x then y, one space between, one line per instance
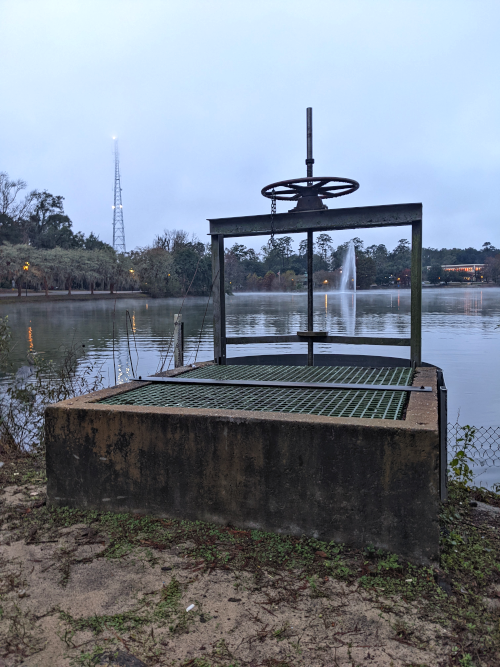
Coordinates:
311 215
365 217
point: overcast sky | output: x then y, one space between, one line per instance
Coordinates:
208 101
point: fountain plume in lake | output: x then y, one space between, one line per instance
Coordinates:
348 312
348 279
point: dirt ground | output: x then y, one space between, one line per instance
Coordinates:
79 589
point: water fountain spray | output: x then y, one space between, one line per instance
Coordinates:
349 269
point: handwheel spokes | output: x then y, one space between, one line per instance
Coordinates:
309 191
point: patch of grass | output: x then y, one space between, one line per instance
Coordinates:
407 581
390 562
169 601
149 611
97 624
221 650
282 633
466 660
33 477
88 659
470 554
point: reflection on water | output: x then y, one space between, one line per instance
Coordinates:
459 333
348 311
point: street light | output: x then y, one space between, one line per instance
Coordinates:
26 267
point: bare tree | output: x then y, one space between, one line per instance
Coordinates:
303 247
324 244
172 239
8 193
13 208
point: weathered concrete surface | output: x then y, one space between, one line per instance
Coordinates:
358 481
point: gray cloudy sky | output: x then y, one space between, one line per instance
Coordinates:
208 100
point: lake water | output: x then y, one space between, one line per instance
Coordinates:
461 333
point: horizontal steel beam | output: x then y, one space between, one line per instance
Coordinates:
344 340
285 385
326 220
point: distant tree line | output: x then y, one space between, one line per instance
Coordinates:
278 268
174 265
184 269
39 249
38 220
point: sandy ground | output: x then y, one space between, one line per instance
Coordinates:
234 618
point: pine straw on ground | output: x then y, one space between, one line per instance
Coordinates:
89 588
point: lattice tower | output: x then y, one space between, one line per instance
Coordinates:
118 226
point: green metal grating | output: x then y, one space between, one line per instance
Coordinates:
351 374
327 402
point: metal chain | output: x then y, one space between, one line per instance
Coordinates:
273 213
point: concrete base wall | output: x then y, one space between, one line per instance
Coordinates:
357 481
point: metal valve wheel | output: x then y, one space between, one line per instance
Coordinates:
309 196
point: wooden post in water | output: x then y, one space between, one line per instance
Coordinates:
178 341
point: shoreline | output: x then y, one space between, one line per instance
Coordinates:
378 289
8 299
70 297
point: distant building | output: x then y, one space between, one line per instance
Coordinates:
472 272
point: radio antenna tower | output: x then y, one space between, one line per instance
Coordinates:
118 226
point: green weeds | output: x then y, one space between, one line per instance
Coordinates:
88 659
165 609
281 633
169 601
469 567
460 466
97 624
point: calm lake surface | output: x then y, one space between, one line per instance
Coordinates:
461 334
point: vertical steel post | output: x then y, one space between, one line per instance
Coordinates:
416 294
443 435
310 294
178 341
309 160
219 299
310 286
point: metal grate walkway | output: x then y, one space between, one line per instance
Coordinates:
331 402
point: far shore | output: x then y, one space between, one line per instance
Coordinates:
9 297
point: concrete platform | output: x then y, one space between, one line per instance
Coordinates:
354 480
